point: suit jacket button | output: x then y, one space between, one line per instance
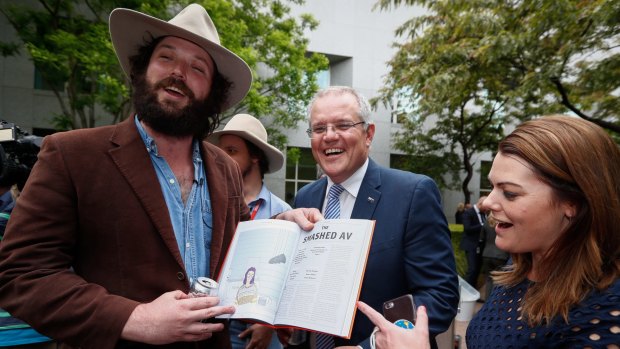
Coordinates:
180 276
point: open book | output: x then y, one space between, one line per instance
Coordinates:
278 274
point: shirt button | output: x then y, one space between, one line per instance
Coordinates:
188 245
171 181
180 276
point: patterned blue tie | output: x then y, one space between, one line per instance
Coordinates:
332 211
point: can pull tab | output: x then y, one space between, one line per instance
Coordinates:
203 286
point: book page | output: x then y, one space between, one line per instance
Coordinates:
325 278
255 269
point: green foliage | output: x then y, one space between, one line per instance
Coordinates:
293 154
427 164
8 49
69 46
69 43
468 67
272 42
456 231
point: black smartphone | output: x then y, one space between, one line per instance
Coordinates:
401 308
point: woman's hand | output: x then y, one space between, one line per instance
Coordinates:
390 336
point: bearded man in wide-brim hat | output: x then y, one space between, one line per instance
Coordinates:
116 222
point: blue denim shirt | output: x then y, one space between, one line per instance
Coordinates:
270 205
192 221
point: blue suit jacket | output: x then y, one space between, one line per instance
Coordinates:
411 250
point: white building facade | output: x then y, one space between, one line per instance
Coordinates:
357 40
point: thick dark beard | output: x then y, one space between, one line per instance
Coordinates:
191 120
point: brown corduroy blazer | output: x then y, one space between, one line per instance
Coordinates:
90 237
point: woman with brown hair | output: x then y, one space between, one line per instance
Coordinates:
556 200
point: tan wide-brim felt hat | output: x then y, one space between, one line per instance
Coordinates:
130 29
252 130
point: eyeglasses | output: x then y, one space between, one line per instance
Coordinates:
339 127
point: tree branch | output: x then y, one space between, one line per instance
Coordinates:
566 102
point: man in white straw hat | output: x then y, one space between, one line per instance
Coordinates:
244 138
116 222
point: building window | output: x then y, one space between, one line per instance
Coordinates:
399 118
485 184
301 169
400 161
42 84
323 79
402 105
339 73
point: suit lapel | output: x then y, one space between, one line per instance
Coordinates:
316 195
369 195
134 163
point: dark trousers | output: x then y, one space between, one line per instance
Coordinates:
474 262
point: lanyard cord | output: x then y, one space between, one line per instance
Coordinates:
255 210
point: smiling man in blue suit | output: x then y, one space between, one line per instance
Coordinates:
411 250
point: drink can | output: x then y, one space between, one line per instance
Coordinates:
204 286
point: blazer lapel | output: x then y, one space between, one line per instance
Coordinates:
134 163
369 195
219 194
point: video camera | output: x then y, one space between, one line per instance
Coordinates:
18 153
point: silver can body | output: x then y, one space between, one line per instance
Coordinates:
204 286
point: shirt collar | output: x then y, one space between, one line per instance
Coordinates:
262 195
352 184
151 147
